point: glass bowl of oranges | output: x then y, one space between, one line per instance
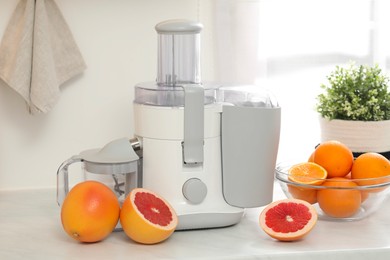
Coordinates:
340 188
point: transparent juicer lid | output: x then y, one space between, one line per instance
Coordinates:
178 65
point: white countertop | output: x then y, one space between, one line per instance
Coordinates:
30 228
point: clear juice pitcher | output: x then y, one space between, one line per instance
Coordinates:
115 165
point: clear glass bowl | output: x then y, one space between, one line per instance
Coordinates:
373 192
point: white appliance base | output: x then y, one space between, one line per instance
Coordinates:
209 220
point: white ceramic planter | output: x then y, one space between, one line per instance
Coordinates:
359 136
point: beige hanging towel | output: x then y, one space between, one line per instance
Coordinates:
38 53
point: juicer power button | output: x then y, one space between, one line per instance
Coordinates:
194 190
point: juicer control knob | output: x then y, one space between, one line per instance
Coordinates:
194 190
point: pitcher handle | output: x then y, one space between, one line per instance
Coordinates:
62 178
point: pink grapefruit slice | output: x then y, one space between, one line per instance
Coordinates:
146 217
288 219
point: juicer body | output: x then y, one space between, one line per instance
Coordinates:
202 195
210 150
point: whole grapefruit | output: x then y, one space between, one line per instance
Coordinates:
90 211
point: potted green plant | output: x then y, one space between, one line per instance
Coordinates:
355 108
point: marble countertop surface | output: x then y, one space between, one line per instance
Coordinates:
30 228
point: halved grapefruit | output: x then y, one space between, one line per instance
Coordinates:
146 217
288 219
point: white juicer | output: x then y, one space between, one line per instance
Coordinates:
209 150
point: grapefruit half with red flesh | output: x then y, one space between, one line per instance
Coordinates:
146 217
288 219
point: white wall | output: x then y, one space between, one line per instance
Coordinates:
118 42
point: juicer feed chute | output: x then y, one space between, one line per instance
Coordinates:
178 53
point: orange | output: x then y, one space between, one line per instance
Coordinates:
371 165
307 173
288 219
335 157
341 202
306 194
146 217
90 211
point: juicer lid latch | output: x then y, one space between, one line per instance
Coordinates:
193 124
